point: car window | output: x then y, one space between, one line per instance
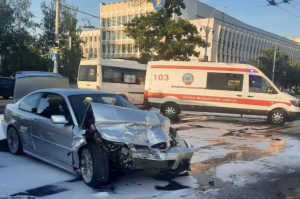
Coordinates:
30 103
225 81
258 84
80 103
52 104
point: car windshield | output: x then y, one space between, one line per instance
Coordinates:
80 103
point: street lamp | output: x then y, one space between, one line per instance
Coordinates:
275 52
207 30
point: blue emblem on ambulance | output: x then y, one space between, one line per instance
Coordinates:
158 4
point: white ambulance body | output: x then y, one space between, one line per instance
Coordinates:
175 86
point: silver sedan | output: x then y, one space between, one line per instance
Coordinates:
90 132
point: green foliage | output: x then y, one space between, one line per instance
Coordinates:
18 47
287 72
159 36
69 56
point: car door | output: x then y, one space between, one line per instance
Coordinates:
52 140
26 110
258 99
224 93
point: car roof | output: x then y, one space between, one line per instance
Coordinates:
75 91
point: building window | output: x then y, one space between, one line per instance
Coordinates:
124 48
108 22
103 35
95 52
113 35
104 23
113 21
124 19
130 17
120 21
108 35
135 48
91 39
119 48
104 48
225 81
124 35
113 48
130 48
90 52
95 39
119 34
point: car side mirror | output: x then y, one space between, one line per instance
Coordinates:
59 119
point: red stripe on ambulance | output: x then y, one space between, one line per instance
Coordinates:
216 99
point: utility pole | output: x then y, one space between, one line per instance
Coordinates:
274 58
56 48
207 30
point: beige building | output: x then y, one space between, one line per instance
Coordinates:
230 39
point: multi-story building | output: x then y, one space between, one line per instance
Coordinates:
230 39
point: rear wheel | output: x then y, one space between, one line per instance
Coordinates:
277 117
14 142
170 110
94 165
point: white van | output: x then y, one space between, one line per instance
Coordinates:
123 77
175 86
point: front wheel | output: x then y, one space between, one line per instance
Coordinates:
170 110
277 117
14 142
94 165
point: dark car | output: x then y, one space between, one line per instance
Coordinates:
92 132
7 86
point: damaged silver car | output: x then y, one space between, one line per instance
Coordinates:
93 132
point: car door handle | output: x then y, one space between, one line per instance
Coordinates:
34 120
239 95
249 96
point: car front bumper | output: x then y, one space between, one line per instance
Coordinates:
162 160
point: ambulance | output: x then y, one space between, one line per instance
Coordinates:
207 87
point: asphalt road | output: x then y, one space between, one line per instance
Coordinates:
284 183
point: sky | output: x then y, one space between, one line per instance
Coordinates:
282 20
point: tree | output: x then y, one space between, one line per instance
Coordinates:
286 73
69 56
161 37
18 45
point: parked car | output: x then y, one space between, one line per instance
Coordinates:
288 91
88 132
7 86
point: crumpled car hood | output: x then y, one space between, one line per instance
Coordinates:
131 126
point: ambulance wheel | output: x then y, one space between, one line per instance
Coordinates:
277 117
170 110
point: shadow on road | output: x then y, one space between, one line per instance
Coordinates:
3 145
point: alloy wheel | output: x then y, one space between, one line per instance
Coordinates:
86 165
